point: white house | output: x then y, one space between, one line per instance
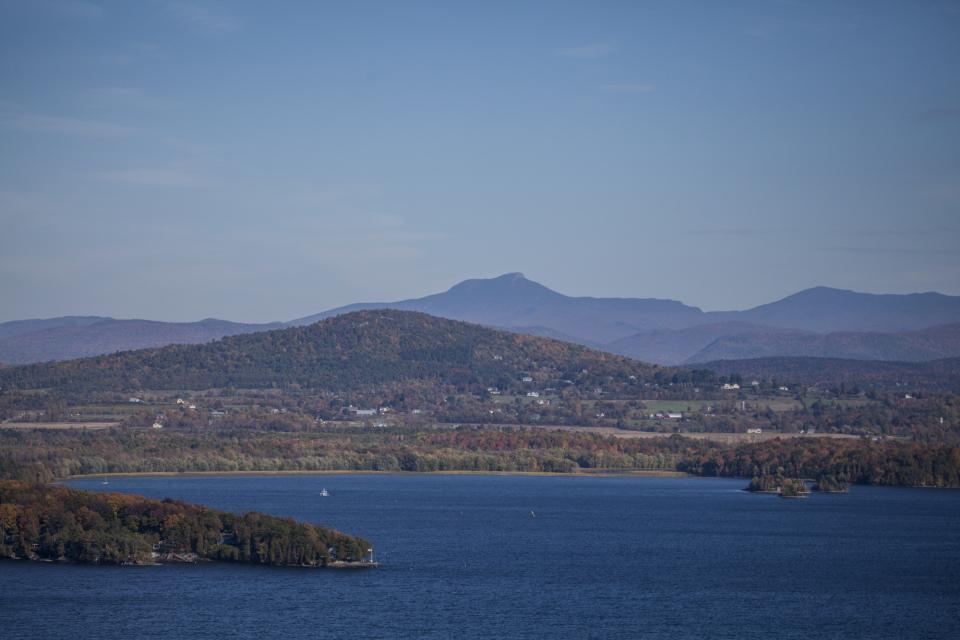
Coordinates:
757 431
533 394
527 379
730 387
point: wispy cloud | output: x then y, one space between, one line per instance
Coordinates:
60 124
588 51
629 89
918 231
888 251
737 231
152 177
17 205
204 18
73 9
115 97
944 114
131 54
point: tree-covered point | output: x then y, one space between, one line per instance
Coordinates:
43 522
351 351
851 460
830 484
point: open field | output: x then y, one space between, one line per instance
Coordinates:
80 426
723 437
715 436
776 403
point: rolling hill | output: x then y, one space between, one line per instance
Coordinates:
22 327
824 310
672 346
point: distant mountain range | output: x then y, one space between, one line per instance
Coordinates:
815 322
77 337
905 346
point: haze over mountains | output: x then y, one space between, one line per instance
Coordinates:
77 337
820 322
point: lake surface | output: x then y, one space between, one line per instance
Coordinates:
464 558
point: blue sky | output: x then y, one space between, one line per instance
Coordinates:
260 161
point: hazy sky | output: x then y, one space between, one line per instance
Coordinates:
266 160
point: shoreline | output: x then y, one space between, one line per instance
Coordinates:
614 473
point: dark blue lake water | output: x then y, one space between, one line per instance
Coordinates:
463 558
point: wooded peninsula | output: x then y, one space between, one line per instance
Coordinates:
54 523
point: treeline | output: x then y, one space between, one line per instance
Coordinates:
854 461
43 522
44 455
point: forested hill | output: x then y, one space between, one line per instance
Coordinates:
351 351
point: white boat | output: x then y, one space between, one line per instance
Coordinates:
324 493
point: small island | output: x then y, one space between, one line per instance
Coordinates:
793 488
54 523
783 486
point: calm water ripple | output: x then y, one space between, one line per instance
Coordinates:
464 558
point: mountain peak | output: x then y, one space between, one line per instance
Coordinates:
508 282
